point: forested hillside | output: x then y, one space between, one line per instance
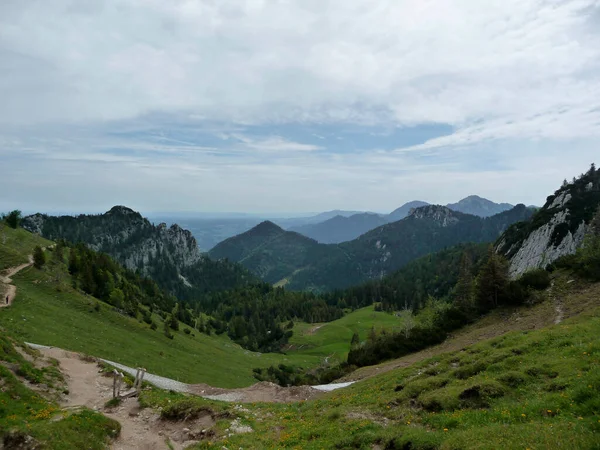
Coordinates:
170 256
300 263
270 252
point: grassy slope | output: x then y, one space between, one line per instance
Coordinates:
48 311
333 338
573 296
528 389
15 245
44 315
25 413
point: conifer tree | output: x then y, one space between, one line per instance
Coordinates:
39 258
463 294
355 340
492 281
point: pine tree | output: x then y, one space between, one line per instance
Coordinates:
594 229
172 320
166 329
492 281
13 218
463 293
372 335
59 251
39 258
355 341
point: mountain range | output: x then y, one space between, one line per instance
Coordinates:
298 262
346 228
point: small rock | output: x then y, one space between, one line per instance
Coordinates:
186 430
160 433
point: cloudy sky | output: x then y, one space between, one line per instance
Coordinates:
293 105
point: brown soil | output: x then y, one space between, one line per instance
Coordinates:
140 428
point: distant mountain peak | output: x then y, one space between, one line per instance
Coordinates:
479 206
404 210
267 227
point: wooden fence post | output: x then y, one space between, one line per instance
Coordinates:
115 376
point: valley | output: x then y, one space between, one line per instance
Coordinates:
447 350
299 225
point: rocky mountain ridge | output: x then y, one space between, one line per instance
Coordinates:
557 229
443 215
169 255
346 228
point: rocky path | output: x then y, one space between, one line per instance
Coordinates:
5 279
143 428
259 392
140 428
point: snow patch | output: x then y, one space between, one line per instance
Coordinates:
332 386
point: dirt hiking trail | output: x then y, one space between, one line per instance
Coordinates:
6 280
140 428
260 392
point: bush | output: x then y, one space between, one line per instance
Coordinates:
187 331
537 279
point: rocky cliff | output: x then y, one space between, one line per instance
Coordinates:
556 230
170 255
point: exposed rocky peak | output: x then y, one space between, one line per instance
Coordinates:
124 234
34 223
556 230
437 213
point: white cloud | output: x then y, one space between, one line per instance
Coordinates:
274 144
511 77
408 61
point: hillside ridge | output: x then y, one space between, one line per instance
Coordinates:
169 255
556 230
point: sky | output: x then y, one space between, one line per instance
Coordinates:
272 106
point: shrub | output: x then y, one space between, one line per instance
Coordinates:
538 279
